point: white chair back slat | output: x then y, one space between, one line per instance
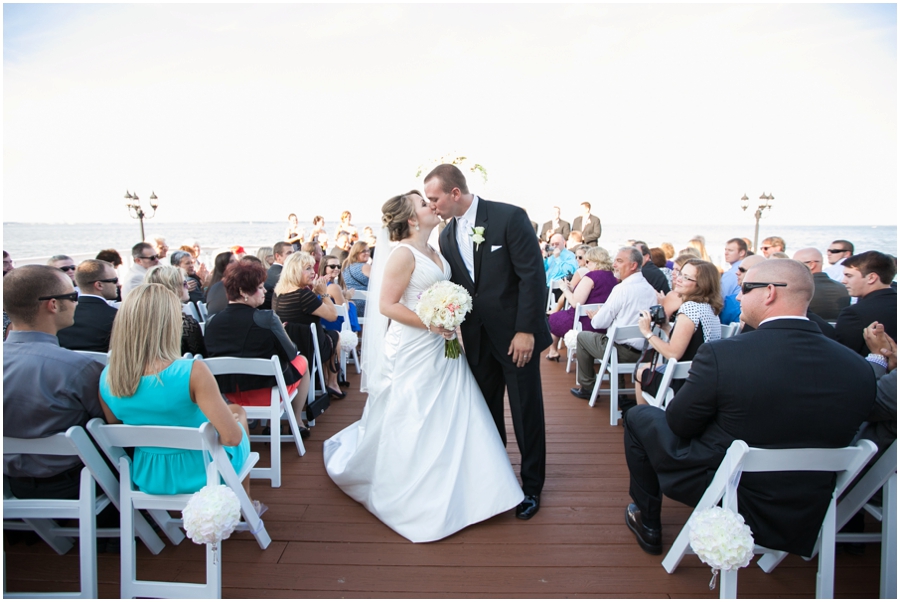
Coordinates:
103 358
580 311
189 309
204 312
611 367
729 330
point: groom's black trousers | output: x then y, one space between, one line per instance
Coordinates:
495 371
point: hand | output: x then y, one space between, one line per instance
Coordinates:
521 348
644 322
320 285
348 293
660 297
447 334
191 284
878 341
556 252
591 313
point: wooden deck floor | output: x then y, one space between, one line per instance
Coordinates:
327 546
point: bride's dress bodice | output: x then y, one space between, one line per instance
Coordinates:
424 275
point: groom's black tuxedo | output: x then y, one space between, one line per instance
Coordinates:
508 296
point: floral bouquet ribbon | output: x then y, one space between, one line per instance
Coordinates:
721 539
445 304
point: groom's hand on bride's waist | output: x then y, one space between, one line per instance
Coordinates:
521 348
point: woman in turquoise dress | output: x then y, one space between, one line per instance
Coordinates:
148 383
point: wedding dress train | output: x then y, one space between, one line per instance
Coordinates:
425 457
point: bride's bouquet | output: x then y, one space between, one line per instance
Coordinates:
445 304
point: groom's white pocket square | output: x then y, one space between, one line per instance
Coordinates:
495 247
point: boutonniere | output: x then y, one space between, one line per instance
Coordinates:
477 235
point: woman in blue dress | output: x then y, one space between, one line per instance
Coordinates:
148 383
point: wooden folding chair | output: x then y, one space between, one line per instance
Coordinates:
846 462
39 514
580 311
280 407
113 439
674 369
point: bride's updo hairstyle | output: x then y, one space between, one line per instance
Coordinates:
396 214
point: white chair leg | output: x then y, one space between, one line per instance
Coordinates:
45 528
770 560
87 535
614 413
825 573
728 585
889 539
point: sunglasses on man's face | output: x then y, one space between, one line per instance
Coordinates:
749 286
108 280
67 268
836 251
73 296
742 270
151 258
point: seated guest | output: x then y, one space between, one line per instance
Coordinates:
773 244
671 301
267 256
159 245
46 389
595 287
830 296
868 277
147 383
332 277
144 258
622 307
193 247
242 330
838 251
8 264
315 251
355 272
652 274
280 252
296 304
699 243
66 264
185 261
574 240
669 250
93 316
731 311
658 257
695 323
559 262
216 299
674 452
579 251
881 424
173 279
113 257
735 251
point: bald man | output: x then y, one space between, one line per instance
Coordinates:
830 297
784 385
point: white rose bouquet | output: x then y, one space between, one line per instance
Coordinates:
721 539
571 339
211 514
445 304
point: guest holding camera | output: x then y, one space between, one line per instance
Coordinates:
696 322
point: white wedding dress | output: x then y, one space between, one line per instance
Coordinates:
425 457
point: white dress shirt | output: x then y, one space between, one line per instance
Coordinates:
464 225
836 271
625 302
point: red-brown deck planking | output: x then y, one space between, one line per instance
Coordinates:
325 545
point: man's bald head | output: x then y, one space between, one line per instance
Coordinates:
746 264
811 258
790 297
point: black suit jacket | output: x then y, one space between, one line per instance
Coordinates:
590 231
92 328
655 277
829 298
878 306
783 385
272 277
548 230
510 290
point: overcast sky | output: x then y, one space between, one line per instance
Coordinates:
653 113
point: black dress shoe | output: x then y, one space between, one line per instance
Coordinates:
344 383
304 432
335 394
529 507
649 539
580 393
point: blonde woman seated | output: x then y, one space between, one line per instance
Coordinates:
173 279
266 255
699 244
147 383
695 323
356 270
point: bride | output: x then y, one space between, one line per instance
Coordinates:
425 457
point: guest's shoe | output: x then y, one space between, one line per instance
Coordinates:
649 539
553 358
304 432
529 507
344 383
335 394
580 392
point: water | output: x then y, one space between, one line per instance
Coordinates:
35 242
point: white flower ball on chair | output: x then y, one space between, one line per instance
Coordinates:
211 514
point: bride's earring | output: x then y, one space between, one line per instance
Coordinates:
417 227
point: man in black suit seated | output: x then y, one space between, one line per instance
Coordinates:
93 315
830 297
652 274
868 276
281 250
798 389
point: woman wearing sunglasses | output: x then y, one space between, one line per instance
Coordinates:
330 272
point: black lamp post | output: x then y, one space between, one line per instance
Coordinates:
137 212
765 202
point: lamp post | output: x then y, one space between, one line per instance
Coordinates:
136 211
765 202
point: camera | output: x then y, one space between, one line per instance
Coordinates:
548 248
657 315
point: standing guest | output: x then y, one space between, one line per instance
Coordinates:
185 261
868 277
356 271
216 299
46 389
66 264
8 264
148 383
735 251
296 304
588 225
669 250
559 262
674 452
341 248
651 273
94 316
280 251
773 244
731 312
294 233
369 238
243 330
159 245
830 297
144 258
318 230
173 279
267 256
699 243
838 252
314 251
594 287
346 228
555 226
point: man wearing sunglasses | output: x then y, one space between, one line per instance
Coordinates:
93 316
783 385
773 244
838 251
66 264
830 296
145 257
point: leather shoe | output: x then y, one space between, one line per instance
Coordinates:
649 539
580 393
344 383
529 507
335 394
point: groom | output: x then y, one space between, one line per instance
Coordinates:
507 328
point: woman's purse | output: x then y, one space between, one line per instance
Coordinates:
317 406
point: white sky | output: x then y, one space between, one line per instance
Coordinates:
653 113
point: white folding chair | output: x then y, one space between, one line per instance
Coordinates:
729 330
38 514
344 312
204 314
611 368
740 458
189 309
361 296
280 406
315 370
674 369
580 311
103 358
555 285
113 438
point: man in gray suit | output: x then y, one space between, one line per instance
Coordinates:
830 297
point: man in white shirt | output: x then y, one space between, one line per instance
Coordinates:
838 251
145 257
627 299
